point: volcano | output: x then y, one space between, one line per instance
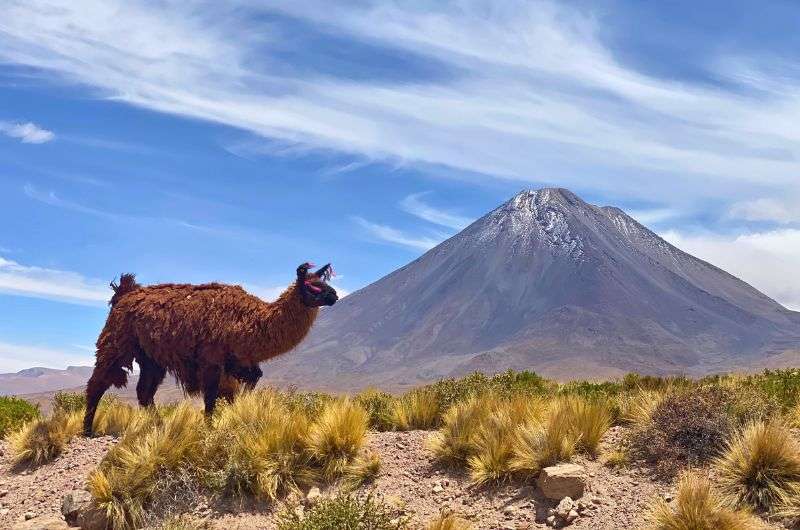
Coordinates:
550 283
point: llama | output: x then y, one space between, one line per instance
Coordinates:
211 337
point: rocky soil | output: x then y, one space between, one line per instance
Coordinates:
410 481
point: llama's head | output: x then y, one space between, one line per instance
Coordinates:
313 286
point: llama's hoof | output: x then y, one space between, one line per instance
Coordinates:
88 434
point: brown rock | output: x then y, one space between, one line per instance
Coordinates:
73 503
562 480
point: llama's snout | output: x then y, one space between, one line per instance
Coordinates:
331 297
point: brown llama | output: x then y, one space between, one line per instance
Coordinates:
210 337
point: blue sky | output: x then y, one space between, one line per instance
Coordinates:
230 141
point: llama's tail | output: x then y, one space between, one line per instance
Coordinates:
127 284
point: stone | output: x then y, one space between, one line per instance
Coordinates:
73 502
571 516
29 515
438 488
562 480
42 523
91 518
313 496
565 506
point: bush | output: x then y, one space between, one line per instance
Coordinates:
362 469
455 441
699 507
419 409
257 446
379 407
336 437
685 429
342 512
125 480
540 443
590 419
760 465
14 413
69 401
43 439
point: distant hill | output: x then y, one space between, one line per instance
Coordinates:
550 283
39 379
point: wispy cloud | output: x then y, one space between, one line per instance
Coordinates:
769 260
15 357
776 210
533 93
414 205
52 284
394 236
27 133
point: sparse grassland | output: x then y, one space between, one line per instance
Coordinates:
269 445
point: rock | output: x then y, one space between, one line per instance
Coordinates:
571 516
313 496
91 518
562 480
73 502
29 515
45 523
564 507
438 488
4 511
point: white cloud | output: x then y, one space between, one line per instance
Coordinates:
656 215
769 261
16 357
28 133
765 209
414 205
397 237
39 282
528 90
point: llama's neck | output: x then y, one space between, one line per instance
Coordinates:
282 325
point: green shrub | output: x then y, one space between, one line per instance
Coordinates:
379 406
344 512
69 401
685 428
14 413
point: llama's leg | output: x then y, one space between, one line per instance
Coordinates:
150 377
228 387
211 380
95 389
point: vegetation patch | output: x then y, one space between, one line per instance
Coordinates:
760 467
699 506
14 413
343 512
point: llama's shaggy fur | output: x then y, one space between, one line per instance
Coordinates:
210 337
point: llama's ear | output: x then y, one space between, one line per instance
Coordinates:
302 271
324 272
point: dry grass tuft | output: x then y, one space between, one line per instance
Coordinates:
43 439
418 409
616 458
637 409
540 443
455 441
257 445
126 478
760 465
493 446
699 507
336 437
590 419
449 522
363 469
113 417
